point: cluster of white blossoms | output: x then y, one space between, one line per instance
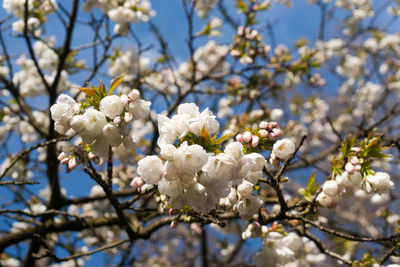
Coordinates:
162 80
36 12
204 6
360 8
28 79
127 62
187 120
103 127
210 60
350 181
192 176
122 12
287 250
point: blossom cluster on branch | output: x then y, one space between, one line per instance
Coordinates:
221 133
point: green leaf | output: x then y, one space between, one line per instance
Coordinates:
224 138
115 83
347 145
311 186
87 91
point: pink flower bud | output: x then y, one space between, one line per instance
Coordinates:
173 212
278 132
240 30
64 161
273 124
272 135
91 155
117 120
349 168
128 117
125 100
263 133
134 95
137 182
263 125
354 160
62 156
247 137
254 140
72 163
239 138
173 224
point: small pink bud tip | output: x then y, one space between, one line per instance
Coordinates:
134 95
128 117
173 224
91 155
239 138
263 133
247 137
124 99
349 168
62 156
263 125
273 124
137 182
173 212
72 163
278 132
64 161
117 120
354 160
254 141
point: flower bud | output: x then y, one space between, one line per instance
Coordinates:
324 200
349 168
278 132
128 117
134 95
239 138
62 156
91 155
124 99
263 125
263 133
72 163
117 120
331 188
254 140
247 137
64 161
137 182
354 160
273 124
173 224
173 212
